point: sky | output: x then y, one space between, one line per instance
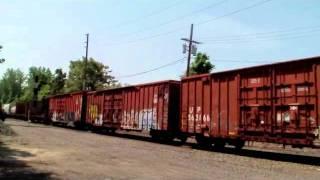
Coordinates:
135 36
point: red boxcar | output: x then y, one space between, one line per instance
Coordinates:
104 108
68 109
37 111
153 108
273 103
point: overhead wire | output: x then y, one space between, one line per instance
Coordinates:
258 39
153 69
233 12
182 60
213 5
286 30
150 14
200 23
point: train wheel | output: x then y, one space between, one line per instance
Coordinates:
203 141
219 144
155 137
183 139
239 144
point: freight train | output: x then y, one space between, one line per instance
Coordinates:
277 103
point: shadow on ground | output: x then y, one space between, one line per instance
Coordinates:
275 156
259 154
12 168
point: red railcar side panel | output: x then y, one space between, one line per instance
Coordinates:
146 107
274 103
104 108
143 107
66 108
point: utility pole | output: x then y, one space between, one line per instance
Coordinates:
84 87
192 49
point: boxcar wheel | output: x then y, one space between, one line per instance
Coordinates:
239 144
155 137
203 141
219 144
183 139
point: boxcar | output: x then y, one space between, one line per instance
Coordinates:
68 109
36 111
276 103
19 110
104 109
152 108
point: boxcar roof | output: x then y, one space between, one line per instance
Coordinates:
66 94
308 59
137 85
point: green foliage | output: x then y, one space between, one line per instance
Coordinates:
11 85
1 59
45 80
201 64
98 75
14 86
58 82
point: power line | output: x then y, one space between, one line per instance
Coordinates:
184 59
234 12
286 37
262 33
180 17
200 23
150 14
239 61
149 37
153 69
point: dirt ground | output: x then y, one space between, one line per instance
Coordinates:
45 152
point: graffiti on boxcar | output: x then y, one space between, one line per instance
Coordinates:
155 99
94 115
93 111
144 119
65 116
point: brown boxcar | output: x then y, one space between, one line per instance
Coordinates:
104 108
68 109
152 108
273 103
37 111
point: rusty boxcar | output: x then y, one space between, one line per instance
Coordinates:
276 103
152 108
68 109
104 109
37 111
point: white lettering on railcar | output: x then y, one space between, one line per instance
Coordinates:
293 108
255 80
302 88
285 90
198 117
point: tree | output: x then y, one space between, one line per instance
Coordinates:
11 85
1 59
40 78
201 64
98 75
58 82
